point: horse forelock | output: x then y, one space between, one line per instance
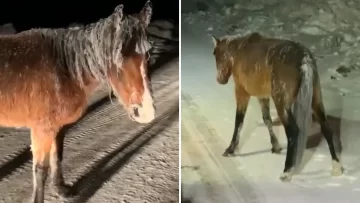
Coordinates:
92 49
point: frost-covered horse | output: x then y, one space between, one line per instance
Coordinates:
47 75
285 71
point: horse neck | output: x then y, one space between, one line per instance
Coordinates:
235 49
90 85
85 64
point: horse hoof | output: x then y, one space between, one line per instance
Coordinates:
229 152
337 169
337 172
286 177
276 150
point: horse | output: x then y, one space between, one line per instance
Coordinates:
48 75
286 71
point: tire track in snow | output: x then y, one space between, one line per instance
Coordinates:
241 187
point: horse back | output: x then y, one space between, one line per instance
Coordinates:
285 59
260 60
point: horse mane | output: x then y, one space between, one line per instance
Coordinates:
91 49
239 39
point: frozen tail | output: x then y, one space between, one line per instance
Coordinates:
302 109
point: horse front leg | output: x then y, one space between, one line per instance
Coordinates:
56 175
41 142
242 101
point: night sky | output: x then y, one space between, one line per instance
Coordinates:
51 14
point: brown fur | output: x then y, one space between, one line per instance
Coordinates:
132 86
32 91
271 68
256 62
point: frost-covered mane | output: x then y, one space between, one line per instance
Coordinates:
93 48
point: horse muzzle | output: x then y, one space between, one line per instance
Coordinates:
222 80
142 114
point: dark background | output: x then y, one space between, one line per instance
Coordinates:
53 13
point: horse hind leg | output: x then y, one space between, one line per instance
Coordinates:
41 142
56 156
242 100
265 108
292 133
334 148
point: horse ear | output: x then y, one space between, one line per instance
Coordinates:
146 13
119 9
215 40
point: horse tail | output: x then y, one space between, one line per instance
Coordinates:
302 106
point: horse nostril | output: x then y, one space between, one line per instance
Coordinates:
136 112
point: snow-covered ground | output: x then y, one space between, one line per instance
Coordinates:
330 29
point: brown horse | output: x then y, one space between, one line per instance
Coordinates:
285 71
47 76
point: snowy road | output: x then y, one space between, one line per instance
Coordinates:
208 109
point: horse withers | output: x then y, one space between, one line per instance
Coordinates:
285 71
47 76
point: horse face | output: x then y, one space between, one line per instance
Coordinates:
223 61
130 82
133 89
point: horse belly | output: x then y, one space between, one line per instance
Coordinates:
70 113
14 116
53 111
